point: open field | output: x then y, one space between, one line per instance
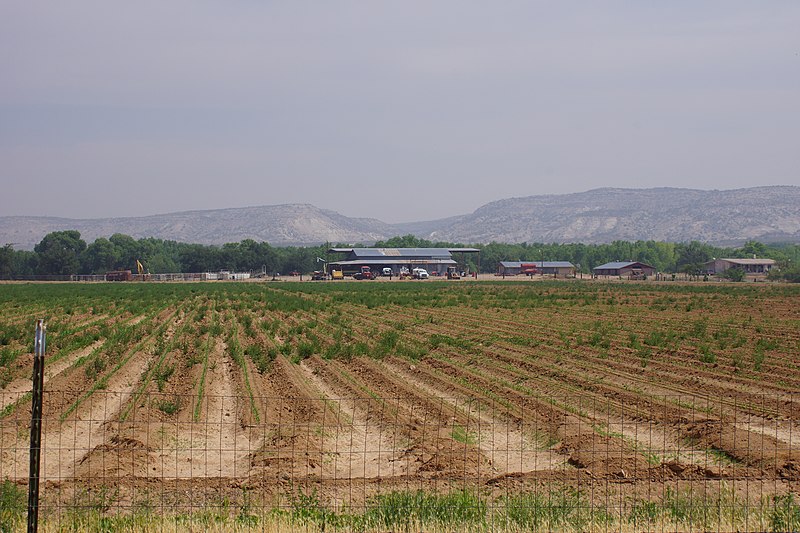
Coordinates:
471 405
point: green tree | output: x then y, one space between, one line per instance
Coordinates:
99 257
25 263
200 258
126 249
753 248
692 254
59 252
406 241
6 261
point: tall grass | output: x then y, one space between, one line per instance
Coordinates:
553 509
13 506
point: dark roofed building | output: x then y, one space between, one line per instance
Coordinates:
624 269
434 260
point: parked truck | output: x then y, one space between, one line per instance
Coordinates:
364 273
420 273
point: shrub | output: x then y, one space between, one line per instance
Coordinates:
169 407
260 358
706 355
162 375
304 351
387 341
785 515
734 274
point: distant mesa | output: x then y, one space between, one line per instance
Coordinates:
724 218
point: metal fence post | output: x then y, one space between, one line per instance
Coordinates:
36 426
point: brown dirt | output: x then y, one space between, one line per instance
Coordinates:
356 443
19 387
502 415
217 446
88 427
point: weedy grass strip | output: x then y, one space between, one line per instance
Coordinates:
202 384
237 354
102 383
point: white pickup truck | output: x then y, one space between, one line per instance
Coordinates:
420 273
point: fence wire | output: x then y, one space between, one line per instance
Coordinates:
117 460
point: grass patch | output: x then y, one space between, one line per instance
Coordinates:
13 506
398 510
460 434
169 407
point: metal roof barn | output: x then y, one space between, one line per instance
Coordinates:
435 260
623 268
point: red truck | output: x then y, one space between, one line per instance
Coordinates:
365 273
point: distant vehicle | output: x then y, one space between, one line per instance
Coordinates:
318 276
452 273
420 273
337 274
119 275
387 271
294 273
364 273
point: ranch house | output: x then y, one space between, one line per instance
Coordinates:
748 266
624 269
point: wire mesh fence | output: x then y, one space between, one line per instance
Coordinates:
116 460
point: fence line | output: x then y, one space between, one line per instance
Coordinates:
565 462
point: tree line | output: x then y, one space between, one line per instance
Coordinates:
65 253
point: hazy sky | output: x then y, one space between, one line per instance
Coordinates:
401 111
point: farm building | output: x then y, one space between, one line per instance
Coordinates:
749 266
434 260
553 268
624 269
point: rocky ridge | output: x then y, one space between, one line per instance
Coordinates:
769 214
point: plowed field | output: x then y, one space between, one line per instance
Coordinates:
188 394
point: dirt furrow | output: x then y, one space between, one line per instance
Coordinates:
76 447
362 443
214 446
510 444
19 387
292 442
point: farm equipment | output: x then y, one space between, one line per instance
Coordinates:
452 273
337 274
141 275
637 273
364 273
318 276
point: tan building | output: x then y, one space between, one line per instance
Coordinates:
552 268
748 266
624 269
